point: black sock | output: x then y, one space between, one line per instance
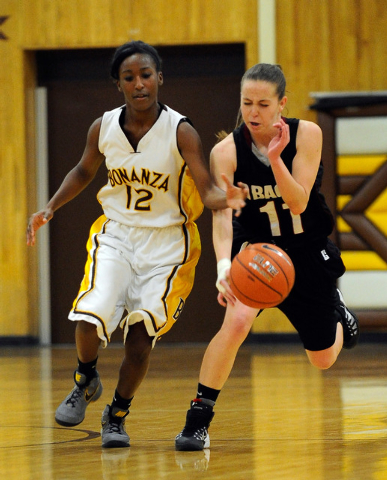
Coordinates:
120 402
207 394
88 368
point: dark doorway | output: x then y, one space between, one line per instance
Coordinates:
201 82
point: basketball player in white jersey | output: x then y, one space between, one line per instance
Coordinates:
143 250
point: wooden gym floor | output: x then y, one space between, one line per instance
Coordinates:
277 417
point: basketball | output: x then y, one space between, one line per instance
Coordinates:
261 275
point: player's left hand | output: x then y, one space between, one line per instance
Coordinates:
279 141
236 196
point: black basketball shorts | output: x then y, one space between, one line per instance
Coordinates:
310 306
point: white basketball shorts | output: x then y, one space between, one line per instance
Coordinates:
146 272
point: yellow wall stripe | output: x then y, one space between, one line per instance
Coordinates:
359 164
359 260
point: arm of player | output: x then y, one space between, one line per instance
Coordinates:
295 186
223 164
212 195
222 240
75 181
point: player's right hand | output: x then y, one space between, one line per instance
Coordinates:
36 221
225 294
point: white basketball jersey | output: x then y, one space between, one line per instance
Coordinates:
150 186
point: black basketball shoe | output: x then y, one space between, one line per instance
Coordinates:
350 324
194 435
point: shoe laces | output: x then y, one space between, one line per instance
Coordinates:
199 432
113 427
76 394
350 322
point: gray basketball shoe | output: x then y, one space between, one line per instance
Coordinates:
72 410
113 428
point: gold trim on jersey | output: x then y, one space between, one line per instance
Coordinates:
88 281
180 282
190 202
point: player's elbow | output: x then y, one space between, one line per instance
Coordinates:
214 199
297 207
298 204
208 203
83 175
297 211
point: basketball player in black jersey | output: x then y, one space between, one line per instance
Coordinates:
280 160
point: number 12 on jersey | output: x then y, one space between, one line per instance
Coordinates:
143 201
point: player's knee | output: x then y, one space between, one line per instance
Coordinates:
138 354
321 360
86 328
138 344
239 326
324 364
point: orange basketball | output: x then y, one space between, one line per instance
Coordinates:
261 275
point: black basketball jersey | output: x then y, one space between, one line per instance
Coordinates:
266 217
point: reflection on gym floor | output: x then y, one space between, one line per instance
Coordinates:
277 417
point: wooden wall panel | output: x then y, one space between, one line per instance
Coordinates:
92 23
331 45
13 255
